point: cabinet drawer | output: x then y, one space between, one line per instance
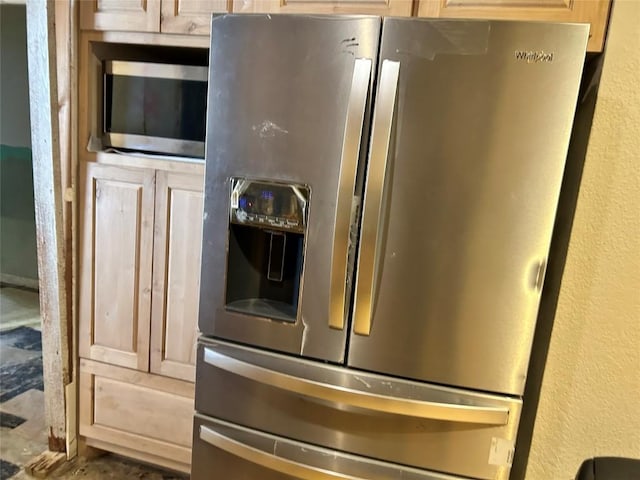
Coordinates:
138 411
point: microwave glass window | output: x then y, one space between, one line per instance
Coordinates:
155 107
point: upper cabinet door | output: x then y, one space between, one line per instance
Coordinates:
398 8
115 265
593 12
128 15
176 274
191 16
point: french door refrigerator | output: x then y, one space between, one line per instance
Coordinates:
379 201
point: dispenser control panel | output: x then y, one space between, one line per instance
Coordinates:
274 205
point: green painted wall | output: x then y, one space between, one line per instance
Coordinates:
18 257
17 215
15 128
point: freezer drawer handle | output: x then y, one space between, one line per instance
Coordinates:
268 460
373 201
346 187
358 398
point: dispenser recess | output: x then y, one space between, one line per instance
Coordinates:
267 226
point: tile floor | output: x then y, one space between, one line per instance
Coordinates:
22 424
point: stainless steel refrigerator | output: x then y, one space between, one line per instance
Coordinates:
379 201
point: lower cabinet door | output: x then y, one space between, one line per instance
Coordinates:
116 244
232 452
176 274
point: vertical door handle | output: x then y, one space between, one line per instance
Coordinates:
346 186
372 211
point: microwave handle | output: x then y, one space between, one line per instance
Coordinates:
346 186
196 73
374 193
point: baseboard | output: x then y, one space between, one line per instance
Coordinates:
14 280
139 455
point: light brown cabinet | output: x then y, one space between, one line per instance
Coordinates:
140 268
190 16
120 15
140 242
594 12
396 8
167 16
194 16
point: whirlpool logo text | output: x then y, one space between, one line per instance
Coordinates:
534 57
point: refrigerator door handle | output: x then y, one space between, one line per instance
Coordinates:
268 460
346 186
452 412
373 202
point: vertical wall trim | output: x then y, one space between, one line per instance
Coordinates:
43 93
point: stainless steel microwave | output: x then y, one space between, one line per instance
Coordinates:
154 107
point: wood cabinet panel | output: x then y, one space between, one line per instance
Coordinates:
176 274
117 209
145 416
120 5
124 15
594 12
369 7
194 16
142 411
191 16
115 265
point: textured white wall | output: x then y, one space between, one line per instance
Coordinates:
590 396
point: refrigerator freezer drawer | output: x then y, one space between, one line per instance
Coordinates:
232 452
425 426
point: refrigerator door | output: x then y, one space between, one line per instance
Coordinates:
425 426
288 101
469 136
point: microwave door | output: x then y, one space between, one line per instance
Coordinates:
284 131
464 174
155 107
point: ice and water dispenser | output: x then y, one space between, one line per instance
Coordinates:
267 225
